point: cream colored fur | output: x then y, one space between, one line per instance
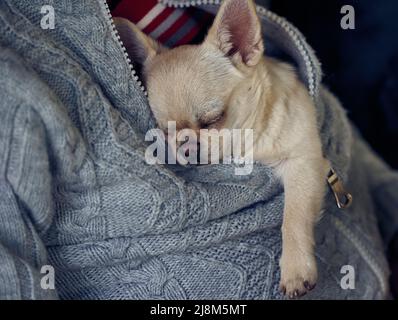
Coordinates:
227 78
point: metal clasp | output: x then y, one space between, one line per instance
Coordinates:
343 198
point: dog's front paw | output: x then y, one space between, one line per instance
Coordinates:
298 275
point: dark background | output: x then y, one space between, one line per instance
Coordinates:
360 66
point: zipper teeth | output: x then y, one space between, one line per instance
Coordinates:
116 36
305 50
293 32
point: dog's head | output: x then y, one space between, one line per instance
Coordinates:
192 85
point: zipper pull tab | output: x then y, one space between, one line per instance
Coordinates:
343 198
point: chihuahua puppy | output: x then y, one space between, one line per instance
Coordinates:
227 83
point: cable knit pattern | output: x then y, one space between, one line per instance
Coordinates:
76 192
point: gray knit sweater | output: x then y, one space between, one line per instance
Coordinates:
77 194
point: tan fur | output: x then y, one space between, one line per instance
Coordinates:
190 83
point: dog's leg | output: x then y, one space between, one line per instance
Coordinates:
304 182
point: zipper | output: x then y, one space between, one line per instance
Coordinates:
116 36
306 52
343 198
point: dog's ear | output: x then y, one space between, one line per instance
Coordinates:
236 31
139 46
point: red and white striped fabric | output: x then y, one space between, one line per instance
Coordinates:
170 26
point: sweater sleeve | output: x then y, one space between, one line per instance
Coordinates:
384 186
25 193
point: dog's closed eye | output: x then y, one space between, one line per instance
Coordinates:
211 118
